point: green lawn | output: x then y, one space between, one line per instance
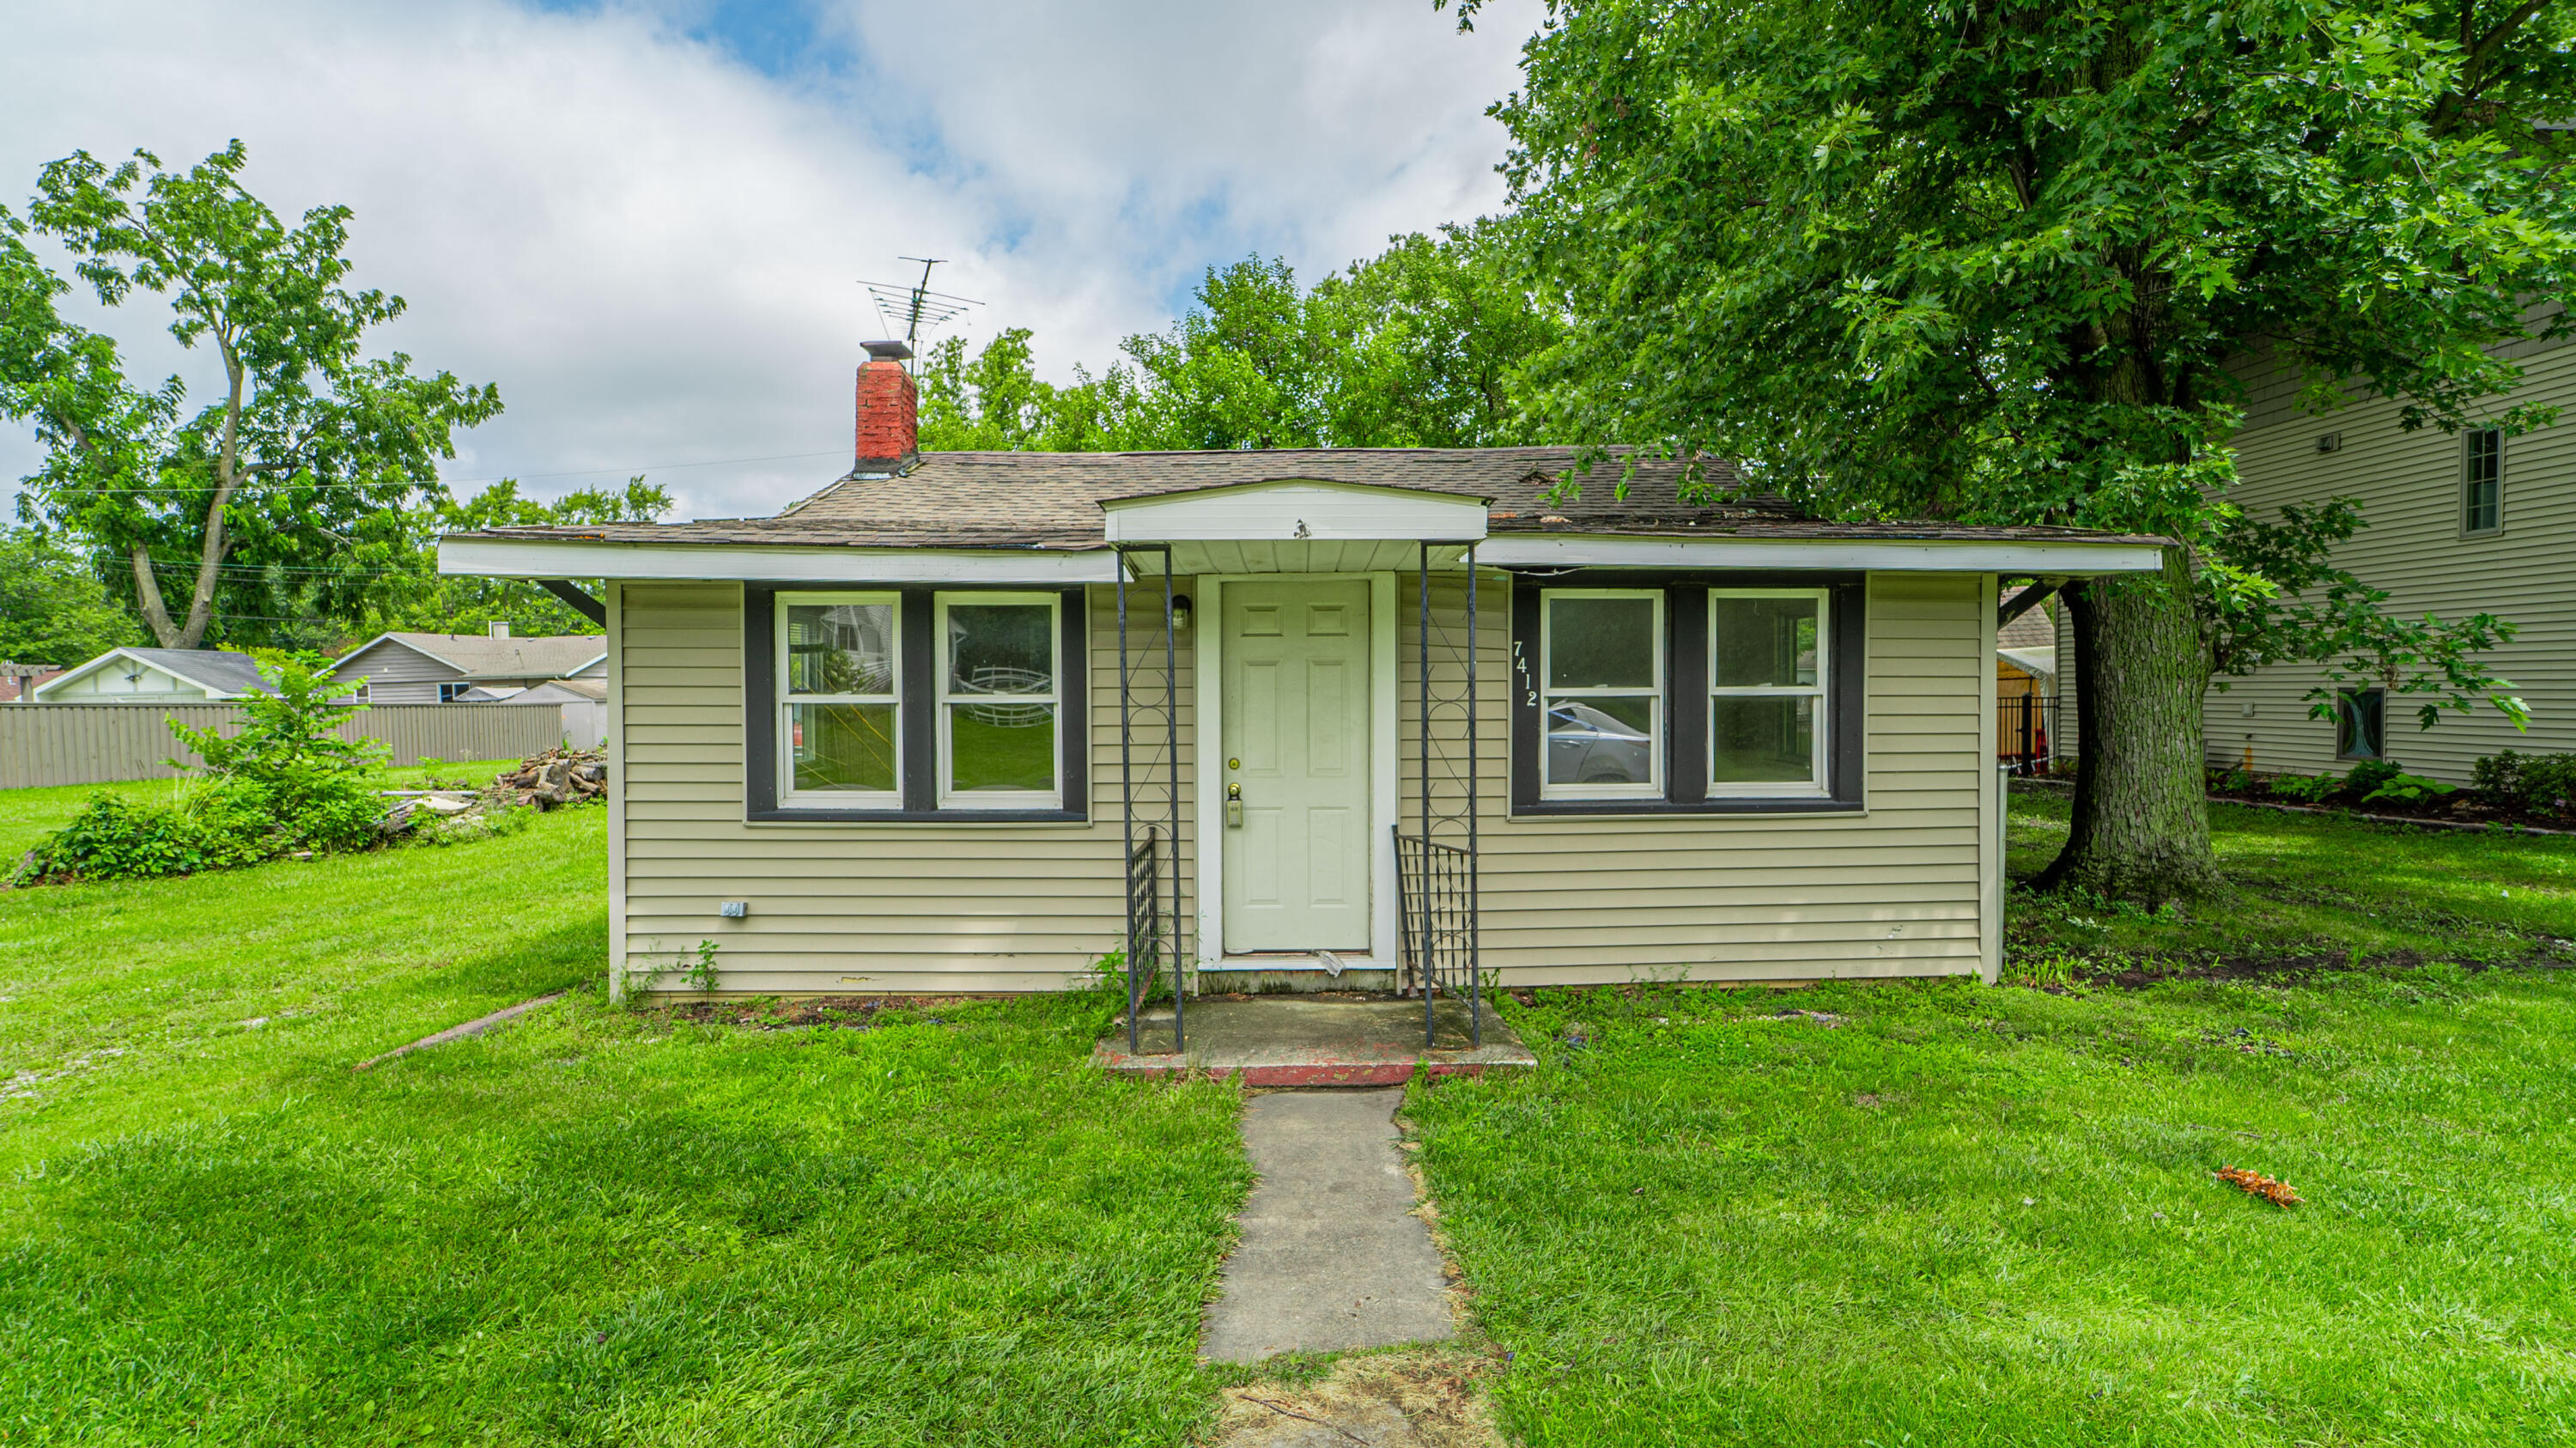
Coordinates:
1947 1215
1961 1215
593 1227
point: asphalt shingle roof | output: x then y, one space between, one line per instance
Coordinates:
221 670
481 656
1052 500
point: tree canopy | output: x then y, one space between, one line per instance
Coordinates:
292 483
2013 262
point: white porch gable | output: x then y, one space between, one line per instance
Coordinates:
1280 512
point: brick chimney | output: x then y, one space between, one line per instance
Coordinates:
889 409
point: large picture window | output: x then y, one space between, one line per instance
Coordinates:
1603 666
913 703
840 728
997 701
1767 703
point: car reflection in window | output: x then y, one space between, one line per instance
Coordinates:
1586 746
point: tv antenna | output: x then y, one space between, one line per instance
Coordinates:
915 309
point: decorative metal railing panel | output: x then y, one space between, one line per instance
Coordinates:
1149 783
1436 905
1436 867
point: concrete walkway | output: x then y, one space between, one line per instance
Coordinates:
1284 1040
1332 1257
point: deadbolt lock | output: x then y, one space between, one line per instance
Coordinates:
1234 806
1234 764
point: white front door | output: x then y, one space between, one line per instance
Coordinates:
1297 748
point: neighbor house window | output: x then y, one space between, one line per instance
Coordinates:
450 693
2359 717
997 701
840 723
359 694
1767 677
1602 673
2482 481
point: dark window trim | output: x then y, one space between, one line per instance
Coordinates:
919 709
2469 482
1686 703
2349 699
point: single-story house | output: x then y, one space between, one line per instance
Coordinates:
440 668
975 721
16 679
155 676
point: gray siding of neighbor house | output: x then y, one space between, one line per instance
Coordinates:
398 674
841 908
2409 484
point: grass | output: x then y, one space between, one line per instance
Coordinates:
592 1227
1952 1214
2308 888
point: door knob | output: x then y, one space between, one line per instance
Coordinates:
1234 806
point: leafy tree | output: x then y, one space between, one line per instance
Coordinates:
1420 346
423 599
53 609
295 478
2001 262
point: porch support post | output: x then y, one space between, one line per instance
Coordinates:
1172 814
1422 661
1475 897
1127 813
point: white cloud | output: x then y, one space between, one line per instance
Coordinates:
651 245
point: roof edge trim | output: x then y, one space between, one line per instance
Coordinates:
1907 555
741 563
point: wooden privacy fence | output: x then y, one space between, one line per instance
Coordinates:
96 743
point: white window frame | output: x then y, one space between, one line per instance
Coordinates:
1818 786
1660 712
361 694
942 698
783 718
2469 481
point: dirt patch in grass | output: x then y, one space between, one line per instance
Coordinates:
852 1012
1416 1398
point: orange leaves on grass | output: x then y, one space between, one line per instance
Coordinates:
2278 1193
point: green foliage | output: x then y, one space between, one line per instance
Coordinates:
424 599
702 970
53 610
2541 783
2370 774
1421 346
288 744
2306 788
283 497
2406 789
214 825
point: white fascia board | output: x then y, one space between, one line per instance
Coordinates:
1894 555
548 558
1279 512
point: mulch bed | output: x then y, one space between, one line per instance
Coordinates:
2461 807
848 1013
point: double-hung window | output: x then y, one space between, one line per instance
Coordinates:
840 727
1602 660
997 701
1679 693
913 703
2482 480
1767 690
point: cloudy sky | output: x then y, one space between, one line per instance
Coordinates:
646 222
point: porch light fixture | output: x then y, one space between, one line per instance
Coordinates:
1180 614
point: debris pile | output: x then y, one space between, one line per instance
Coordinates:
558 776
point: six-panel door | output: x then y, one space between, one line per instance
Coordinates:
1296 745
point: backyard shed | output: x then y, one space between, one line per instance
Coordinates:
975 721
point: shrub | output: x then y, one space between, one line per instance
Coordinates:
2305 788
209 825
2541 783
2369 775
2407 789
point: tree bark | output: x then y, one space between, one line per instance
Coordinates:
147 593
2140 826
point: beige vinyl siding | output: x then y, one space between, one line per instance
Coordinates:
1895 891
398 674
865 908
837 908
2409 487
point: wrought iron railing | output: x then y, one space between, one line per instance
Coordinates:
1436 914
1145 939
2026 733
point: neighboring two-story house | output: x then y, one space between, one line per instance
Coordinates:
438 668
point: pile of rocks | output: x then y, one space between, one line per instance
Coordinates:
542 781
558 776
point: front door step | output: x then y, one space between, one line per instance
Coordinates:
1276 1041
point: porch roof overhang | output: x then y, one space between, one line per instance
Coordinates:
1293 511
2070 558
735 562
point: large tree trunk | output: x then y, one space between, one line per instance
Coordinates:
2141 819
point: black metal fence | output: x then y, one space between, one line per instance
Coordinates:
2026 733
1145 938
1436 911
